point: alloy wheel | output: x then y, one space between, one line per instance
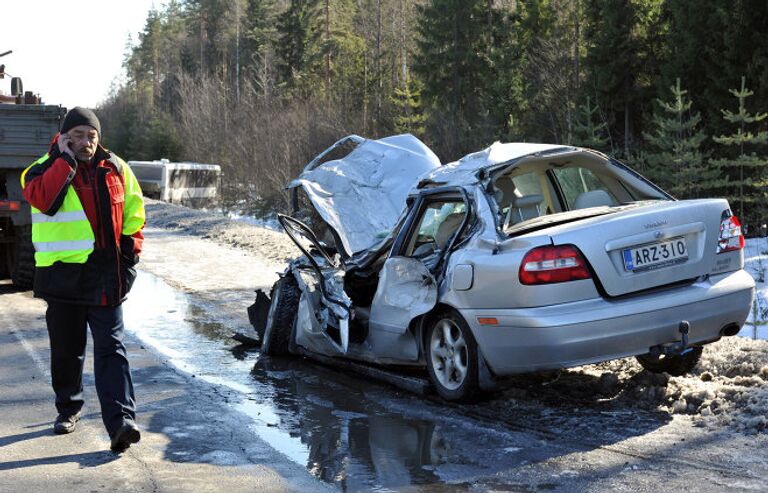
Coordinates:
449 354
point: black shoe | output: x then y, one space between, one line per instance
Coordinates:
125 436
66 423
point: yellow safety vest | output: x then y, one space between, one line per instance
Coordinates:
67 235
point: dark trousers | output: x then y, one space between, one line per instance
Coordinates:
67 331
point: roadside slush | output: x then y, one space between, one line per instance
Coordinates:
191 439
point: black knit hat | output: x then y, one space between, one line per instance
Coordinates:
80 116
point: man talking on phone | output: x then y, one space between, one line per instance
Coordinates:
87 217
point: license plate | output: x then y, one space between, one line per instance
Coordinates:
655 255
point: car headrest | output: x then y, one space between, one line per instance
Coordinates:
505 191
593 198
447 228
528 201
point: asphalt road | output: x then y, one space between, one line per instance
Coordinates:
191 439
218 418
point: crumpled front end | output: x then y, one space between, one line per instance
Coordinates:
322 320
361 195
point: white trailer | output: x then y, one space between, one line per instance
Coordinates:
184 183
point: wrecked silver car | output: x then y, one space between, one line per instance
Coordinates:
517 258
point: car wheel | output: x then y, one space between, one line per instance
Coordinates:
452 358
674 365
282 316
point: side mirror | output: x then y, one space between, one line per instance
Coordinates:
17 88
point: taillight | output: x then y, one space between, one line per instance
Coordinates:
9 205
730 234
551 264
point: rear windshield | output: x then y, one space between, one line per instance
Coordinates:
579 184
531 191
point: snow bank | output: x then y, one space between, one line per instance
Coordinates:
271 245
728 388
756 263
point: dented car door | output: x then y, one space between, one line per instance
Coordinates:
409 279
406 290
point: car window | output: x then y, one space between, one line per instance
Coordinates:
438 221
582 188
520 197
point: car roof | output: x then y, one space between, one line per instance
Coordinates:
467 170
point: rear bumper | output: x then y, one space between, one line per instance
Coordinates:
591 331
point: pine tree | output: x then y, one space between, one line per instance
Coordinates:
621 37
586 132
751 169
451 64
259 36
410 117
320 55
298 29
544 39
708 42
677 162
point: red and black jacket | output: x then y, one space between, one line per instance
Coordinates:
106 277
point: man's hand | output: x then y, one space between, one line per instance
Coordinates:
64 143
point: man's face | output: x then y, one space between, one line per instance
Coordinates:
84 141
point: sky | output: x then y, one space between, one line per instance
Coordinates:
69 52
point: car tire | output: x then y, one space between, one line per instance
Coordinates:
282 316
451 354
676 366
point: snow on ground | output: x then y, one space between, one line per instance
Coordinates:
271 245
756 263
727 390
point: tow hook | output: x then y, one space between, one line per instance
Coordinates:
674 348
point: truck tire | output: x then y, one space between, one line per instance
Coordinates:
5 260
282 317
23 263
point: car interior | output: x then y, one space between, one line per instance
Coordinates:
531 190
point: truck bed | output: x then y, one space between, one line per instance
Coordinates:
26 131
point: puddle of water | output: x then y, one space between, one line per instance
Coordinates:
345 431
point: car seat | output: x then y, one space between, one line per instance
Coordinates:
523 208
447 228
592 198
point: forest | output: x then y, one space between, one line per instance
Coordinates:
677 89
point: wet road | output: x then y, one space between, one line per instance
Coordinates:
347 431
213 409
356 434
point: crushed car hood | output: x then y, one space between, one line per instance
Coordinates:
362 194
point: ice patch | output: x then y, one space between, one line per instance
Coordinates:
221 458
